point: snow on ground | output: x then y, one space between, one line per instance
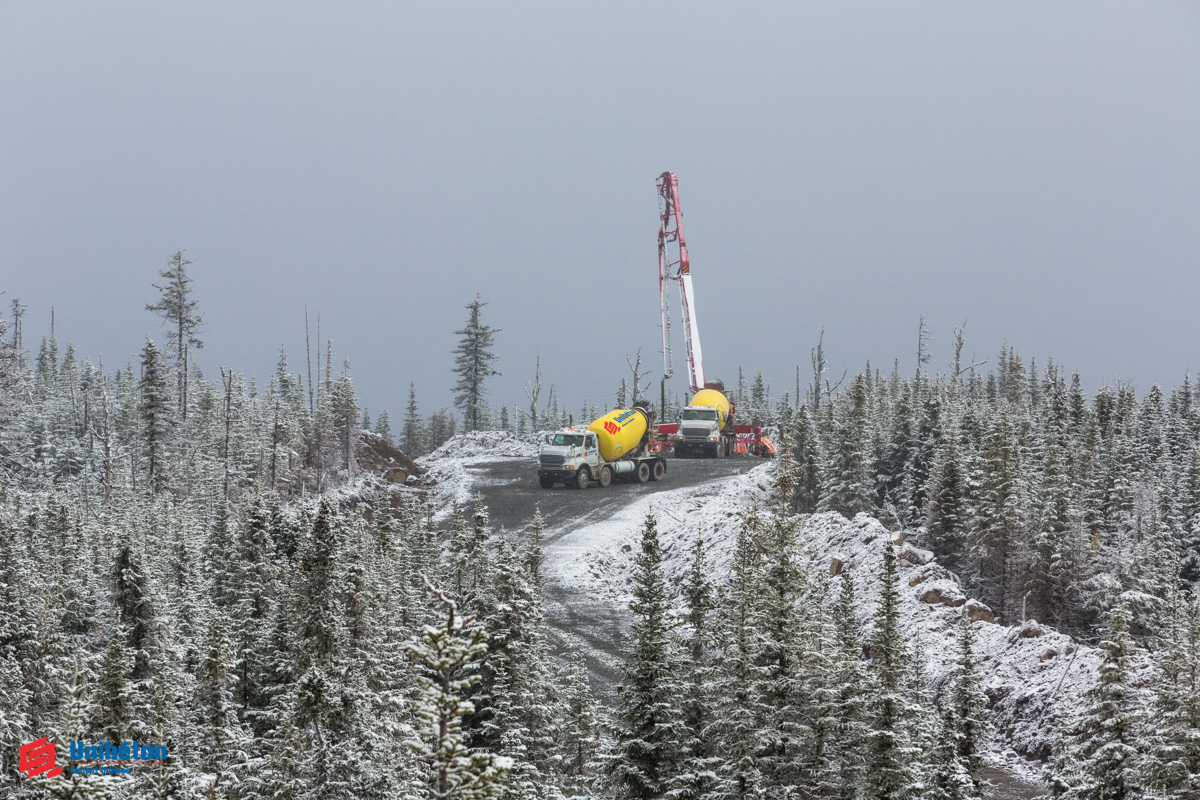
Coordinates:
446 470
1032 674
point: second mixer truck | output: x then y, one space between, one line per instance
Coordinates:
706 424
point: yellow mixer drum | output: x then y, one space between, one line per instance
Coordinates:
713 399
620 432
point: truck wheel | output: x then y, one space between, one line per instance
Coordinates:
680 452
643 472
582 478
546 482
605 477
660 469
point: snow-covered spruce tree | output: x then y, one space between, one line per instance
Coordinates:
648 732
964 729
520 696
579 732
177 307
114 706
699 762
444 654
138 618
533 548
324 705
1097 757
948 515
383 427
737 626
848 672
1171 769
781 695
848 488
892 715
999 525
255 594
154 410
473 364
344 403
805 448
215 713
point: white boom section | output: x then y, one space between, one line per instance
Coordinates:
695 360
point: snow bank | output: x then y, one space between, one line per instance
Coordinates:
485 444
1032 674
445 470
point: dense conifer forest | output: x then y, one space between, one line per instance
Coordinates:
202 564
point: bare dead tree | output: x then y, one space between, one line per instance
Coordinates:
533 390
958 347
635 367
819 365
923 340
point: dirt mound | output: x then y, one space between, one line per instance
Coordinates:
379 457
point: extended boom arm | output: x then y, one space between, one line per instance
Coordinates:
676 269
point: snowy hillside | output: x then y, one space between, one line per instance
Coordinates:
1031 673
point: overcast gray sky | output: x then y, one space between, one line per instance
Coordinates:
1033 168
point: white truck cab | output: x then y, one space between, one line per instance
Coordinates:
699 432
570 456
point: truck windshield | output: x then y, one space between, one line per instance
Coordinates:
702 413
567 440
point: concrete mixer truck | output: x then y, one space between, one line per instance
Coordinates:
613 448
706 424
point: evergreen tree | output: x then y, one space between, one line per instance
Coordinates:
891 753
848 488
345 416
1172 767
177 307
1097 759
737 722
445 652
807 457
383 427
948 512
646 751
964 729
215 713
155 414
410 439
849 678
580 731
473 364
697 776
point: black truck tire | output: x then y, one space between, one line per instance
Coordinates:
659 470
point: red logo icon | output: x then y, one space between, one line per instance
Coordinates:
37 758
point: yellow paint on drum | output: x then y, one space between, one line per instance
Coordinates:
712 399
620 432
